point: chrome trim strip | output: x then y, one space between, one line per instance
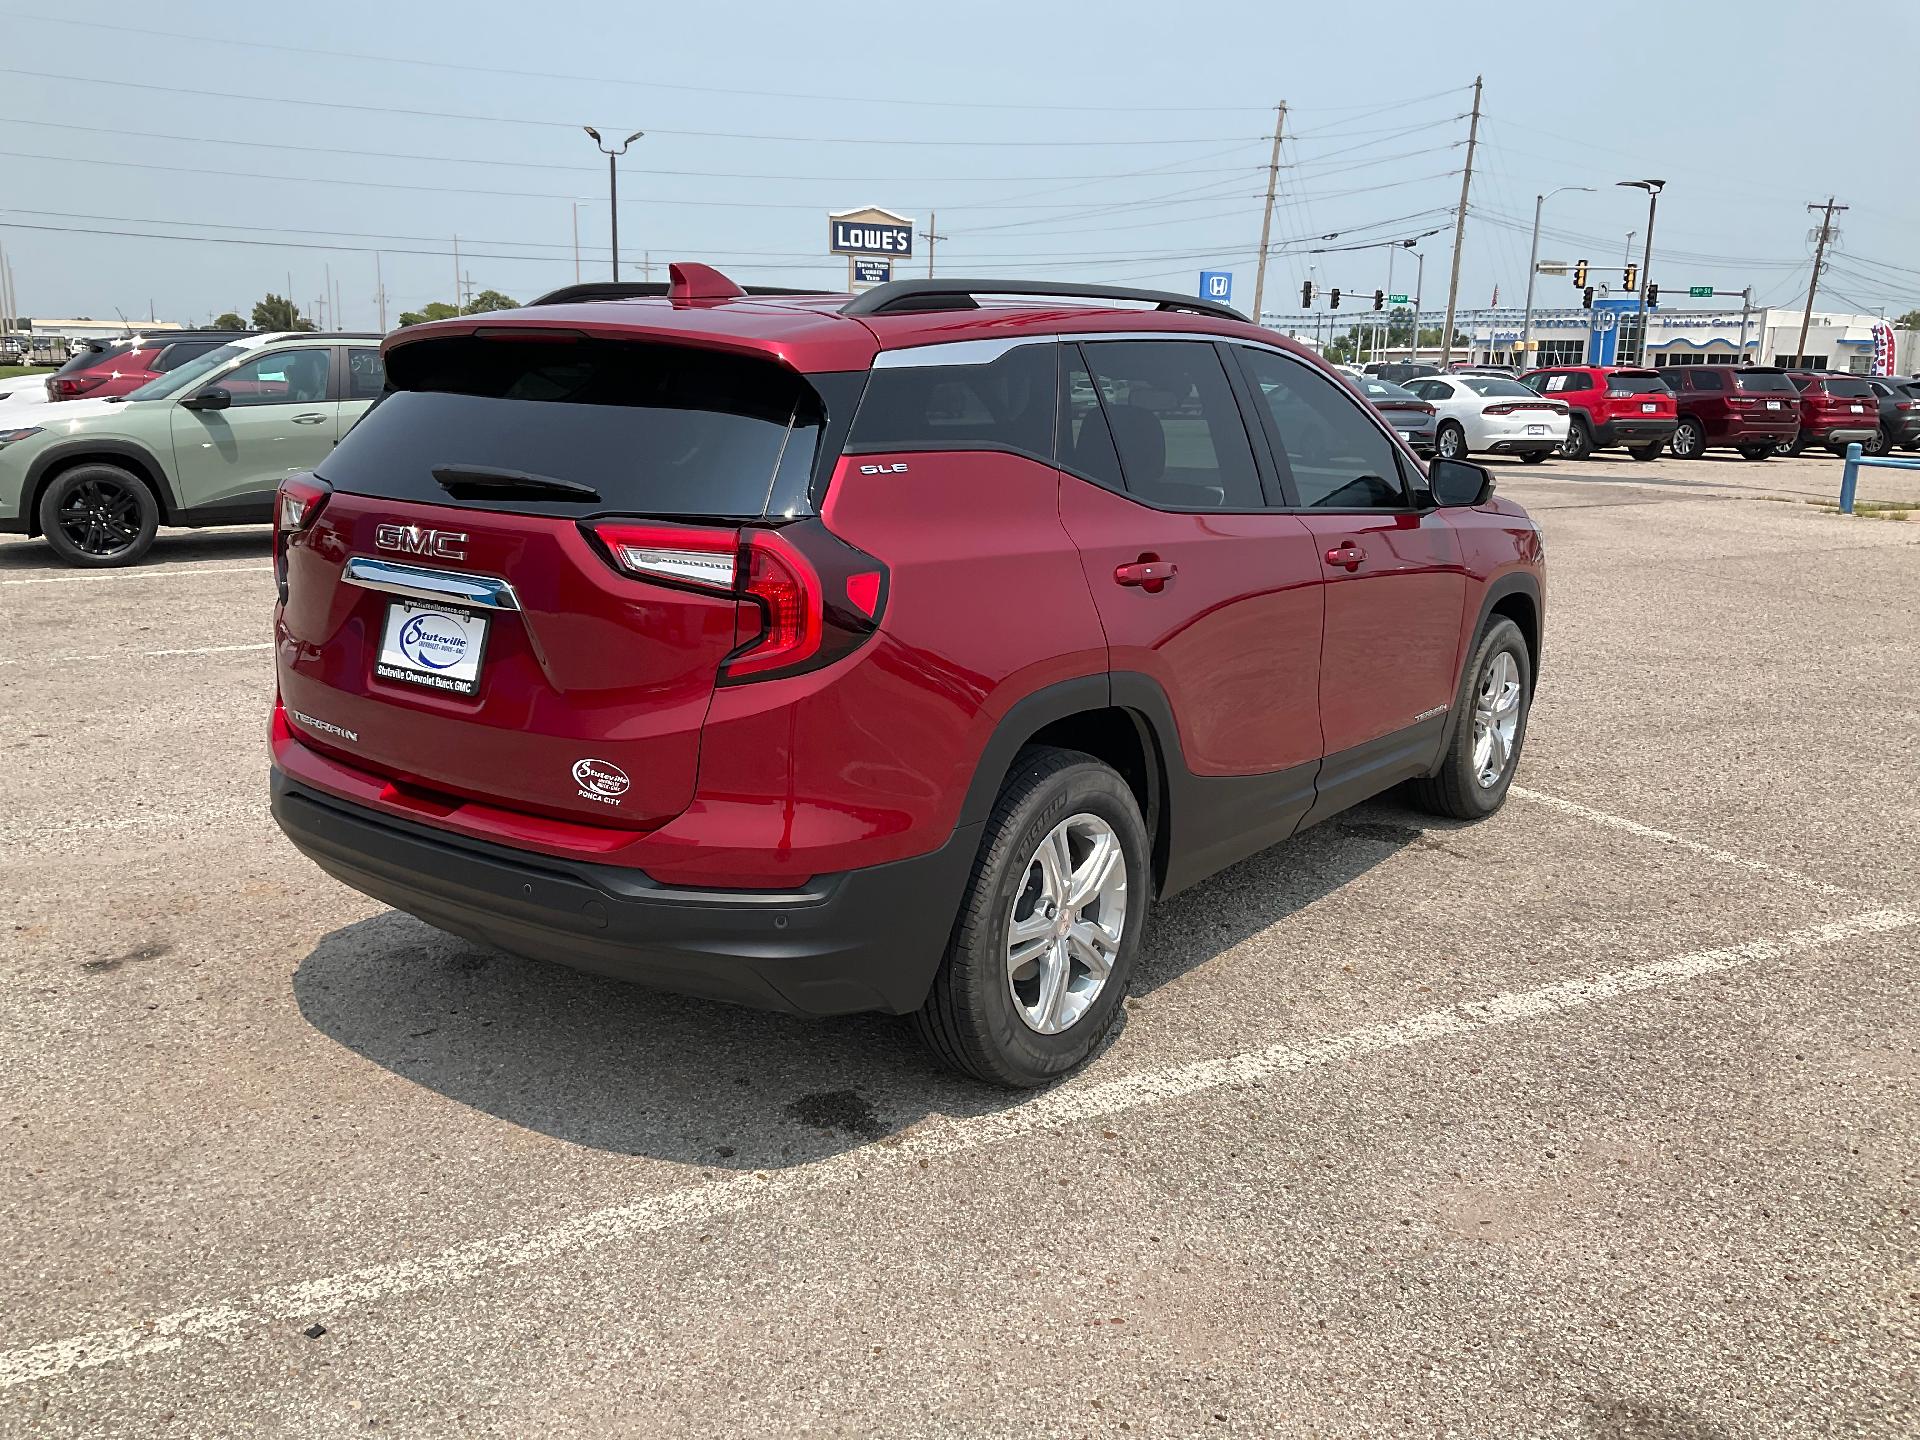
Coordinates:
957 352
416 582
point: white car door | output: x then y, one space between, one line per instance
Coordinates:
1444 394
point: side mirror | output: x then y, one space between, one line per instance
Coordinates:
212 398
1456 483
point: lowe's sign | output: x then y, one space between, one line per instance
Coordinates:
847 236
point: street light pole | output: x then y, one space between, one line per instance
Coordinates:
1653 189
1419 289
613 187
1533 260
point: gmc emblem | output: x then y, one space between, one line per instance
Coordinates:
412 540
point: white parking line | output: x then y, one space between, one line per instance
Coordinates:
1666 837
97 577
136 654
1076 1101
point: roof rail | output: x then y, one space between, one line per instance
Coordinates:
898 297
642 289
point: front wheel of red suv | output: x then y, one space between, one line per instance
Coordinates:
1488 732
1043 950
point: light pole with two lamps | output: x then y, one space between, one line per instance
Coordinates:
613 186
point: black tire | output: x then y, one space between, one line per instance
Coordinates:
99 516
1450 442
1794 446
1579 442
1647 452
1689 440
970 1020
1454 789
1878 445
1757 452
1533 457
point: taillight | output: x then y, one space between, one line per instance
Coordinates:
69 386
1903 404
1741 402
295 509
1497 409
1426 409
805 596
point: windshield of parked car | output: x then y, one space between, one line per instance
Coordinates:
190 373
1771 382
1494 385
1381 390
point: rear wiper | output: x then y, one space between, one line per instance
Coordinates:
485 480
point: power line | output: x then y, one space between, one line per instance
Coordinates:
229 96
519 74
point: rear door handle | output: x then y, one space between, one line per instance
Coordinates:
1149 572
308 419
1346 555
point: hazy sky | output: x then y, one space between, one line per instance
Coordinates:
1120 141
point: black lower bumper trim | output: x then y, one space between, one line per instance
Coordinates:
863 940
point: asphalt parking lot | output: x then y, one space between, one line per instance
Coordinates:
1598 1119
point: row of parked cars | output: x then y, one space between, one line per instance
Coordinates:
1758 411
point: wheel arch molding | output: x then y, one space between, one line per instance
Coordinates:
57 458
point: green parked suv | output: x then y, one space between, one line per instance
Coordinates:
206 444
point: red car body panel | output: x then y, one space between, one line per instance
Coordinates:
1610 419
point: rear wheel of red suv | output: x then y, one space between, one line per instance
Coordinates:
1689 440
1043 950
1579 442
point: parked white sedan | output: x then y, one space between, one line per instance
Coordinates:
1493 413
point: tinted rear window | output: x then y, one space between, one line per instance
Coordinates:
92 355
1003 402
1846 387
1766 382
654 429
1641 384
1495 385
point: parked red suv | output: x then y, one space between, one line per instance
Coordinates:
1835 411
1747 408
1612 405
105 368
888 653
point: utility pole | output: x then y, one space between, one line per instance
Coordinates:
1419 291
1746 311
1819 257
646 266
1460 227
380 292
326 289
576 242
1266 217
933 237
456 273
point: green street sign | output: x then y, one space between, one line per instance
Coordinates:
1396 299
1699 292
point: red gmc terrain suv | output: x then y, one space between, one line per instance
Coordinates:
886 653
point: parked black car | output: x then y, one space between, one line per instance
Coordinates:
1899 414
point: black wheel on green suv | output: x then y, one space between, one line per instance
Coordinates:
98 515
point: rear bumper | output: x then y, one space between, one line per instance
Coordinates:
862 940
1752 431
1635 431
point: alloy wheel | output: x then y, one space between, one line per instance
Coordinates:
1449 443
100 517
1064 933
1496 718
1686 441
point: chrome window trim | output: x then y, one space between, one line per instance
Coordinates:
417 582
956 352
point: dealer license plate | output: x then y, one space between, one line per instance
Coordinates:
1649 409
1536 429
435 646
1773 404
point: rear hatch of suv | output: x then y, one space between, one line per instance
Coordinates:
1634 395
528 566
1837 402
1763 396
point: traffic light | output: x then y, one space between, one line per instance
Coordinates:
1586 300
1631 279
1334 298
1579 274
1379 299
1306 294
1653 296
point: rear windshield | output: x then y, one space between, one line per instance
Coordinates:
1643 383
1494 385
1849 388
91 354
1769 382
649 429
1387 390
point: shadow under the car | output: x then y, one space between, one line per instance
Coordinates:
252 542
631 1071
